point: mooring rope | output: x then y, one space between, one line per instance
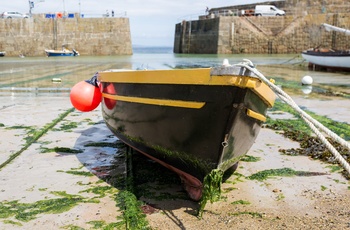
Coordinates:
311 122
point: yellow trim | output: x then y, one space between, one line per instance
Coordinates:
265 93
256 115
258 87
200 76
162 102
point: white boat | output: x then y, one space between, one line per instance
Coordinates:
328 58
63 52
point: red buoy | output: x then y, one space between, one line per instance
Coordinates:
110 103
85 96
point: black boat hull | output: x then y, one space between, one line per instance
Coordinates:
190 128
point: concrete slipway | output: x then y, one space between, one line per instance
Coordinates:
316 202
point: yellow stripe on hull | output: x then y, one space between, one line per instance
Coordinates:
161 102
256 115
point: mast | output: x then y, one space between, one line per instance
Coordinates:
337 29
64 8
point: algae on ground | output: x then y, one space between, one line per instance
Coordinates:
252 214
310 145
35 135
78 173
340 128
248 158
61 150
28 211
281 172
133 217
243 202
101 191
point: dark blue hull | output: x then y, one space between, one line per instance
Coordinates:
59 54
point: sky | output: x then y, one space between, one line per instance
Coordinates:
152 22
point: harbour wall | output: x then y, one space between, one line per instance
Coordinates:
89 36
232 34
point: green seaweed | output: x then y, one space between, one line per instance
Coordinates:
148 183
340 128
248 158
61 150
21 127
35 136
243 202
211 189
238 177
280 196
72 227
102 225
67 126
226 190
310 145
133 217
200 164
28 211
78 173
102 191
12 222
253 214
282 172
101 144
320 89
126 201
334 168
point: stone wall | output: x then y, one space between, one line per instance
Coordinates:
274 35
300 29
89 36
293 7
205 33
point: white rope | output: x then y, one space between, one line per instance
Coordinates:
312 123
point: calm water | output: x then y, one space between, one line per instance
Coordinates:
39 73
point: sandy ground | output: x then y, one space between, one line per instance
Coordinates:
300 202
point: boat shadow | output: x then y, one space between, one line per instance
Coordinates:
112 161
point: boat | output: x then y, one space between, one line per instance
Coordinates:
192 121
323 58
328 59
63 52
2 53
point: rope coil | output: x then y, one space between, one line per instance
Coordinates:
315 126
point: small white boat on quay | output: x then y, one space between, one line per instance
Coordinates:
328 58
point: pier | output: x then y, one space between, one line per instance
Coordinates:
225 31
89 36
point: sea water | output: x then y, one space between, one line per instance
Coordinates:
58 74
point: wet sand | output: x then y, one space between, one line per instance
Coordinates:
34 175
314 202
37 175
